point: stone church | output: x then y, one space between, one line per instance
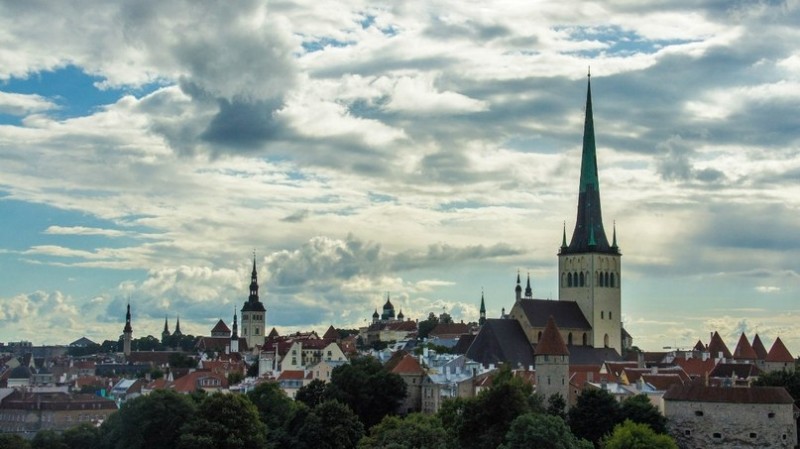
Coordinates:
588 310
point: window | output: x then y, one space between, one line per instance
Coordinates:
602 315
753 435
612 280
605 341
582 279
698 413
569 339
609 314
717 435
687 432
771 415
585 339
539 337
569 279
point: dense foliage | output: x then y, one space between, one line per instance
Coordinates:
631 435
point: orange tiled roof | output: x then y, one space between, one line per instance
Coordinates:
716 345
743 349
408 365
758 347
779 353
551 342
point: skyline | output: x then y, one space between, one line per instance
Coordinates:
427 151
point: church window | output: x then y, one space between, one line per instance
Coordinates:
605 341
582 280
612 280
575 279
569 339
609 315
585 339
569 279
602 315
606 284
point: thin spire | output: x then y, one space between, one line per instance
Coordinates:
518 288
128 328
564 237
166 324
614 242
589 224
528 289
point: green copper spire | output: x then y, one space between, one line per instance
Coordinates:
589 235
564 237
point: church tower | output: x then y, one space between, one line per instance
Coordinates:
127 333
552 363
589 267
254 315
165 334
234 335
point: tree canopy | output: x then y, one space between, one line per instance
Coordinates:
595 415
631 435
541 431
415 431
330 425
639 409
224 421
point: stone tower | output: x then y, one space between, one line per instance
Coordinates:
234 335
254 315
127 333
552 363
589 267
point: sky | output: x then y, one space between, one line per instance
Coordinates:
424 150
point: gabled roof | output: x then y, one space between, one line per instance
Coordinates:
292 375
82 342
331 334
751 395
758 347
221 327
695 367
566 313
588 355
699 346
743 349
551 342
463 344
189 382
716 345
779 353
501 341
663 381
273 333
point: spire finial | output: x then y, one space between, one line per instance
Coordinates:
589 72
614 242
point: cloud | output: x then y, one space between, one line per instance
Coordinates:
83 230
24 104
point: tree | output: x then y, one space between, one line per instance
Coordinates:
181 360
492 411
312 394
277 411
631 435
224 421
639 409
557 406
235 377
330 425
369 390
595 415
541 431
414 431
152 421
425 327
12 441
48 439
81 436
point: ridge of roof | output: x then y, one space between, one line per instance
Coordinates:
551 342
779 353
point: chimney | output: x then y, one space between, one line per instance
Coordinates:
640 360
653 370
640 384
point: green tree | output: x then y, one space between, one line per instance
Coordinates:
224 421
152 421
415 431
312 394
631 435
369 390
48 439
81 436
12 441
235 377
639 409
425 327
541 431
557 406
330 425
492 411
181 360
277 411
595 415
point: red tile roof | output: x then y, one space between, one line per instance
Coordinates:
408 365
696 367
331 334
699 346
189 382
551 342
743 349
752 395
779 353
663 381
449 330
716 345
221 327
292 375
758 347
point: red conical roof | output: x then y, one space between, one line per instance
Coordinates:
743 349
716 345
551 342
758 347
779 353
699 346
331 334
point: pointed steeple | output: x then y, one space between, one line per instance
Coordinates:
614 240
758 347
518 288
253 303
564 238
177 326
235 329
128 329
589 235
166 326
528 289
482 318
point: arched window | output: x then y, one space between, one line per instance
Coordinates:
585 339
609 315
602 315
539 337
569 279
563 280
606 284
605 341
612 280
582 279
569 339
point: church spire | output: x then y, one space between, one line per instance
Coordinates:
518 288
254 282
128 329
483 310
235 330
528 289
589 235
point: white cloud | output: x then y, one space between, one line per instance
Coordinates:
23 104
